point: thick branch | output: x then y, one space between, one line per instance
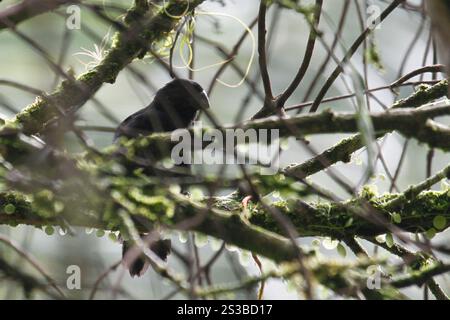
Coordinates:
339 221
342 150
319 219
215 222
421 276
413 123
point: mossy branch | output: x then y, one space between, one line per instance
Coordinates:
404 116
129 43
343 149
260 234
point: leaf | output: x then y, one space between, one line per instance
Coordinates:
430 233
315 243
341 250
349 222
389 240
49 230
112 236
397 218
9 208
100 233
440 222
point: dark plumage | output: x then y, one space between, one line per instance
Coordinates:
175 106
160 247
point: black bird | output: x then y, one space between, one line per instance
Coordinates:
175 106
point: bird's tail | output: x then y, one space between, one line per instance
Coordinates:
161 247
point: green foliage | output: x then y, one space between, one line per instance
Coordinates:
373 55
440 222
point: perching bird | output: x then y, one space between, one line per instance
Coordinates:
175 106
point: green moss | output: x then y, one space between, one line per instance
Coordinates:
332 275
154 206
424 95
373 55
369 192
43 203
16 200
337 221
87 76
33 116
22 209
124 49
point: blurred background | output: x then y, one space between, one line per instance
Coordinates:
94 252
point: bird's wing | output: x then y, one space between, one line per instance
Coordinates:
138 123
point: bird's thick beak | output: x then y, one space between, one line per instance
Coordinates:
205 100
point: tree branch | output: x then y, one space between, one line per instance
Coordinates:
28 9
262 52
282 98
128 44
336 220
343 149
354 47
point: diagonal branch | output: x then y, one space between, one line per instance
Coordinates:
128 44
28 9
343 149
282 98
354 47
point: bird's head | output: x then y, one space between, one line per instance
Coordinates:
184 93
